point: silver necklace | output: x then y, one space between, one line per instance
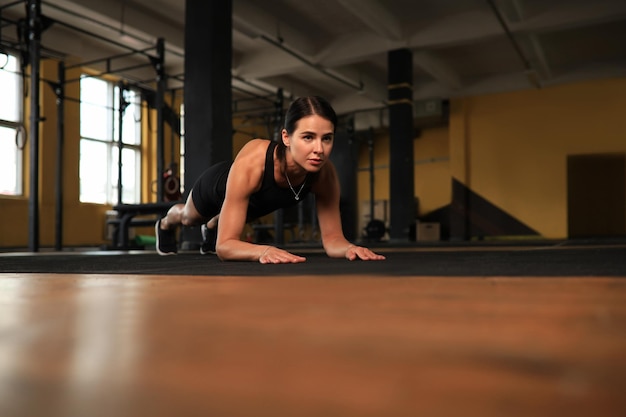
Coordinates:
295 195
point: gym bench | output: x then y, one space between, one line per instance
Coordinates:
125 219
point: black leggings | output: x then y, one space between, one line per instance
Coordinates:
209 190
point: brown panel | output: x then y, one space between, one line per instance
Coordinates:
596 195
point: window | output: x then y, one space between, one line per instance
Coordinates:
99 143
12 133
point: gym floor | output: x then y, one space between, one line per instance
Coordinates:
537 329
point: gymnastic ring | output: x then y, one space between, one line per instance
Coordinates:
171 185
20 131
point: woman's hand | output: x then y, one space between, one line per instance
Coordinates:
359 252
273 255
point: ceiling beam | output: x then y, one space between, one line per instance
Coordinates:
375 16
119 19
254 22
438 70
460 29
570 16
515 13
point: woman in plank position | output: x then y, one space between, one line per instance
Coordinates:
264 177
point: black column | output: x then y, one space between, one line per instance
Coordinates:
121 108
401 164
279 215
34 56
207 94
345 158
59 90
159 103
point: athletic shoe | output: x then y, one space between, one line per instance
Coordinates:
209 236
165 240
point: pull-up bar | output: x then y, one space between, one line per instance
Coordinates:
108 71
101 38
107 59
106 26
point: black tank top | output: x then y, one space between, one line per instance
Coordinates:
209 190
270 196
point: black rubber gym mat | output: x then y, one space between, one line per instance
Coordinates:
543 261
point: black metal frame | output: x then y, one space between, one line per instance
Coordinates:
37 23
32 45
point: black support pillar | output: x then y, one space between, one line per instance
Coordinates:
401 132
121 108
207 94
59 90
159 103
34 56
345 159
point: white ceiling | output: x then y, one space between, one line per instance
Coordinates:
338 48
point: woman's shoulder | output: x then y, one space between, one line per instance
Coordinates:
249 165
252 155
253 147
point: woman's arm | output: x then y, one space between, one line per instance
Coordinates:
244 179
327 193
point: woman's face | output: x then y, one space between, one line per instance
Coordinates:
311 142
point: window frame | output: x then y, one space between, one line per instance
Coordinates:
111 142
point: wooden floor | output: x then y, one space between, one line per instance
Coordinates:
141 345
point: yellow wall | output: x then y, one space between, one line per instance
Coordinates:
149 148
431 172
431 154
83 223
381 168
14 222
516 145
509 148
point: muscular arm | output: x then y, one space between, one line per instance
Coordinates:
243 180
327 193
